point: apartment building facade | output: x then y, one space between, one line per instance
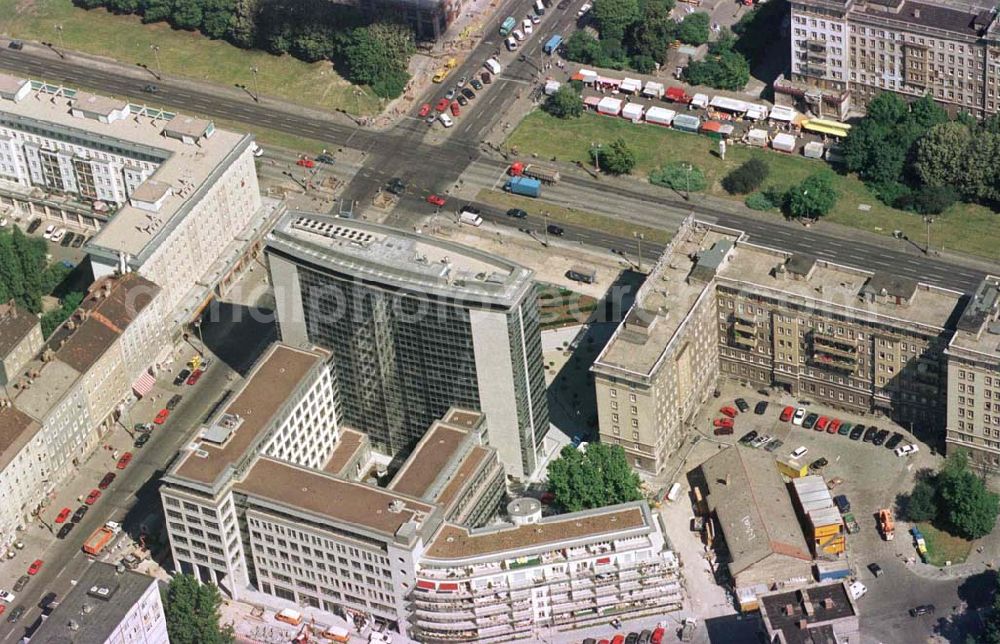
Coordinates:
414 326
170 196
974 378
20 339
852 50
847 338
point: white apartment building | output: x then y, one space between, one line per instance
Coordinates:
107 607
174 198
67 397
273 521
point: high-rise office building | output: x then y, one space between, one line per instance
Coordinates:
415 326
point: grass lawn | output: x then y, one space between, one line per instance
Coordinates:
943 547
559 307
182 53
559 214
964 227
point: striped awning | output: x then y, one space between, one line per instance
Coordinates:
143 384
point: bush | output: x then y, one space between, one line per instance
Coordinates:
759 201
746 178
922 504
679 176
616 158
693 29
643 64
564 104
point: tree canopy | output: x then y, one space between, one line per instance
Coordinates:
812 198
595 478
693 30
613 17
722 68
565 103
679 176
616 158
192 612
955 499
747 177
378 54
632 32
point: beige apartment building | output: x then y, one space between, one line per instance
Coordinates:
974 377
20 339
716 305
849 51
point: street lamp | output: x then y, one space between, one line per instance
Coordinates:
59 30
197 327
256 88
688 167
928 221
596 155
545 216
639 237
156 55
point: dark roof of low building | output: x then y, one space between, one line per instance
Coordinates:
787 613
98 622
800 264
893 285
954 19
15 323
16 429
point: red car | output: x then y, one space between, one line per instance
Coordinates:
442 105
92 497
35 566
456 109
723 422
425 109
821 423
658 634
729 411
723 430
834 426
124 460
195 375
435 200
786 414
306 162
106 482
63 515
618 639
162 416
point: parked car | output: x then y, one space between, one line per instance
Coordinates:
325 159
723 430
821 424
906 450
442 105
728 411
35 566
844 429
880 437
63 515
80 513
923 609
435 200
33 226
818 464
800 415
161 416
517 213
396 185
140 440
21 582
124 460
833 427
462 100
65 530
92 497
857 432
476 85
786 414
723 422
800 452
842 503
15 615
306 162
149 88
174 401
760 408
468 93
742 405
748 437
875 569
106 482
810 420
774 445
143 427
894 441
461 82
486 77
182 377
78 241
194 377
456 109
425 109
67 240
555 230
16 45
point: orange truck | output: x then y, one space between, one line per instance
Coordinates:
101 537
886 525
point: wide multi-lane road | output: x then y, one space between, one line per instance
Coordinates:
428 167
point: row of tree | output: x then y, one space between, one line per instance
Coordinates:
954 499
375 54
26 276
914 157
594 478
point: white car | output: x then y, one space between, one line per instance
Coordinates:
517 33
906 450
6 596
583 10
535 18
56 236
445 120
800 452
511 43
800 415
51 228
527 27
257 150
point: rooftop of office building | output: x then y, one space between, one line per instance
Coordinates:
263 394
455 542
190 152
979 326
400 258
442 449
961 18
94 607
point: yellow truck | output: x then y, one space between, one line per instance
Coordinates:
440 75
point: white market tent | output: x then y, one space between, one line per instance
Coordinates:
660 115
551 87
653 90
729 104
756 112
630 85
784 142
782 113
609 105
757 137
700 100
632 112
588 75
813 150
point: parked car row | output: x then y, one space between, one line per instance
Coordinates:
648 636
831 425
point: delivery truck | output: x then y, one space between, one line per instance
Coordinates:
525 186
100 538
552 44
543 173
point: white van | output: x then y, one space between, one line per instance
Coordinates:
445 120
470 218
539 7
527 27
493 66
674 493
511 43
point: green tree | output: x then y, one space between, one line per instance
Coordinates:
313 42
723 68
192 611
759 201
873 150
596 478
52 319
746 178
651 35
186 14
378 55
616 158
922 504
582 47
812 198
643 64
941 154
967 506
218 18
888 109
693 30
679 176
565 103
243 26
613 17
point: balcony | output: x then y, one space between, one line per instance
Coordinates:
744 341
495 609
828 360
834 343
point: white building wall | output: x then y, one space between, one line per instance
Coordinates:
145 622
309 434
21 483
